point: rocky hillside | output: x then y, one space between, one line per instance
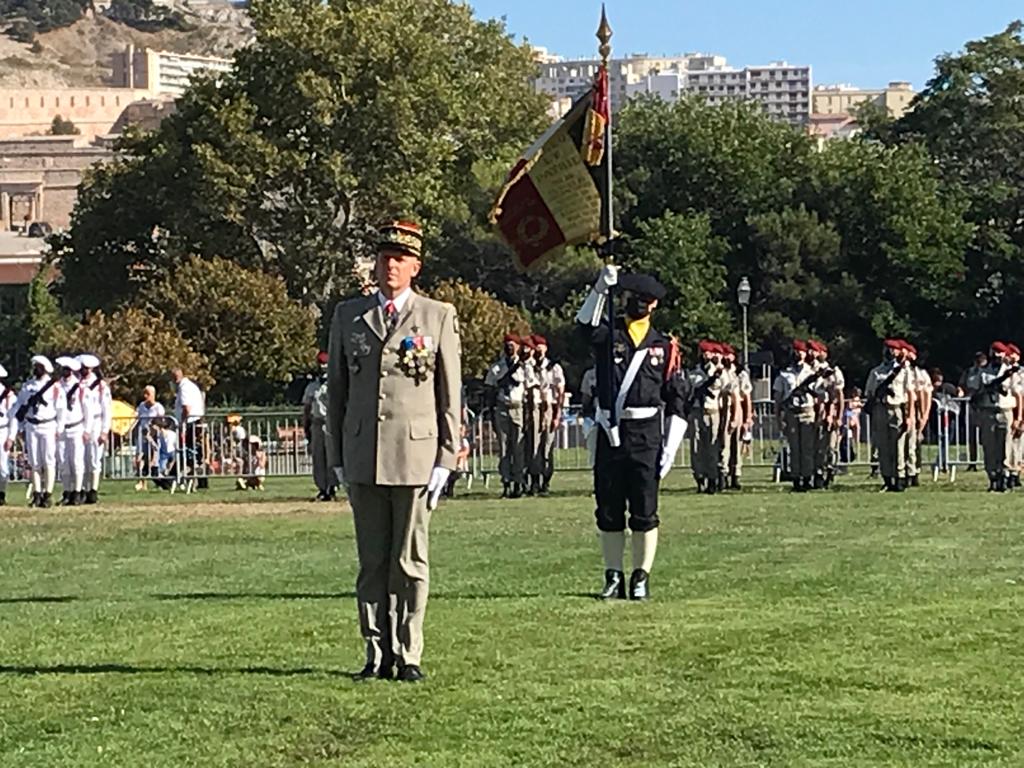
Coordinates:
80 54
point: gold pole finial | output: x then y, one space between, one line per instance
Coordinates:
604 34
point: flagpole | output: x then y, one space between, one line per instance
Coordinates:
604 36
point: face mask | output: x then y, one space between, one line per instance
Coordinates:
636 308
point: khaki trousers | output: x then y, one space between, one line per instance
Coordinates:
801 436
394 573
318 453
726 440
532 439
890 440
996 440
826 450
706 445
508 423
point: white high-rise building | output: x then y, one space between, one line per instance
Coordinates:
783 90
561 78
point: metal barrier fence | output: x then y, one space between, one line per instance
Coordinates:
950 441
251 445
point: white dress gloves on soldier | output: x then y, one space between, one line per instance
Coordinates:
592 310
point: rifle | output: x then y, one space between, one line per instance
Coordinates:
993 385
804 387
35 400
884 389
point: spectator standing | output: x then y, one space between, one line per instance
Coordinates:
145 447
944 395
190 410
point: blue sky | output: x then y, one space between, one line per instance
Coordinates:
864 42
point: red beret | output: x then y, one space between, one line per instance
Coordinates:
799 345
727 349
539 340
511 337
893 343
911 349
706 346
1014 349
822 347
321 357
527 341
998 346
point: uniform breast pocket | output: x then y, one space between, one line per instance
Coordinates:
423 429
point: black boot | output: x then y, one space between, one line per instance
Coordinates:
914 481
65 499
798 485
614 585
639 588
735 483
36 500
505 490
898 485
700 485
887 485
517 491
3 498
819 481
991 483
91 497
1000 484
46 500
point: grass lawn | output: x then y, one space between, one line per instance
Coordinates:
844 628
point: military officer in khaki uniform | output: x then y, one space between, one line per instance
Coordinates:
921 384
888 392
742 435
991 391
506 387
705 413
393 435
552 395
729 424
829 393
795 412
533 402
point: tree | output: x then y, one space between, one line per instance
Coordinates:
483 321
970 117
242 322
338 115
137 348
44 321
62 127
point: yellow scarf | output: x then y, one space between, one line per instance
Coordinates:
638 329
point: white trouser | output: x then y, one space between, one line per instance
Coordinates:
72 454
41 453
93 461
5 461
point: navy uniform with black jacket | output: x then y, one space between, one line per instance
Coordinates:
628 475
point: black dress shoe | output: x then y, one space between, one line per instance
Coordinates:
410 673
614 585
370 672
638 585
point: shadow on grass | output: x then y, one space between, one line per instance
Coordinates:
129 669
256 596
38 599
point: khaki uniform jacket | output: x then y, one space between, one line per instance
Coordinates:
385 426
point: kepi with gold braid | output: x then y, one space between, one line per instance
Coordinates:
401 235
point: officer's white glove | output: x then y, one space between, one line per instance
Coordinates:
673 439
608 278
339 475
593 308
438 480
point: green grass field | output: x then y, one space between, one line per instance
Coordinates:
845 628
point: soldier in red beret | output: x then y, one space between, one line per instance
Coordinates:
996 403
506 391
828 391
888 395
551 379
707 388
795 413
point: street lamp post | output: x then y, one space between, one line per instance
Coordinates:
743 295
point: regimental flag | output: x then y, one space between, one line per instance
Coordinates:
555 194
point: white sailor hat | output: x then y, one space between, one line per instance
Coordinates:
3 372
68 362
89 361
43 361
